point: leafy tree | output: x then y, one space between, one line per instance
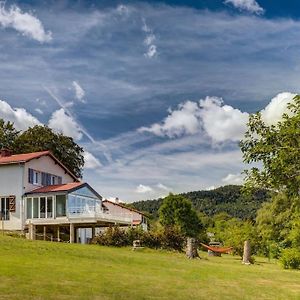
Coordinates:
41 138
8 134
276 148
177 211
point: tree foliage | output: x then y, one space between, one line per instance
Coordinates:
229 199
41 138
276 149
178 211
8 134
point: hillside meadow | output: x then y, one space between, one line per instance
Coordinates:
45 270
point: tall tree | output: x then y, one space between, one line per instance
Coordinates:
40 138
176 210
8 134
276 150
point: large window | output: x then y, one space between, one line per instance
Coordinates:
4 208
83 202
39 207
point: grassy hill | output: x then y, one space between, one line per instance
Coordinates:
45 270
227 199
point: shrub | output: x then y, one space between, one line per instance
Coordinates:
113 236
290 258
166 238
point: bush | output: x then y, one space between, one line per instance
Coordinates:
166 238
290 258
113 236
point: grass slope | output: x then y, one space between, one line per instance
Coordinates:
44 270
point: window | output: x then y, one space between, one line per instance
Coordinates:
36 177
29 208
49 207
35 207
42 207
4 208
60 205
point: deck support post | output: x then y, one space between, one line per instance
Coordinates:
45 231
58 234
93 231
31 231
72 233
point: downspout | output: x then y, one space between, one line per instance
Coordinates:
22 215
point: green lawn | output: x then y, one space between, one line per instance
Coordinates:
45 270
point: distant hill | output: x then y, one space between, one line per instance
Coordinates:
227 199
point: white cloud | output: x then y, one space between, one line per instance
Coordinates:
61 122
277 106
152 51
23 22
234 179
184 120
122 9
39 111
222 122
19 116
79 91
248 5
90 161
143 189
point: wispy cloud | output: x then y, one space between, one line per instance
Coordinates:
149 40
79 92
142 189
248 5
23 22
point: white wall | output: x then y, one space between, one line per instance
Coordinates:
44 164
118 210
11 183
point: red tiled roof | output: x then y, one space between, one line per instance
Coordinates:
22 158
57 188
17 158
123 206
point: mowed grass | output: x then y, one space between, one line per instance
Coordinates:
45 270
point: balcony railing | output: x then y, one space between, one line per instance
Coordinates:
97 213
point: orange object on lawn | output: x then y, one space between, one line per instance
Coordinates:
218 249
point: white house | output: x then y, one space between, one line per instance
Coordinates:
40 196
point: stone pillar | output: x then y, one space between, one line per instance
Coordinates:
191 248
72 233
247 253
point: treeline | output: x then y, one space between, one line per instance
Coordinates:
229 199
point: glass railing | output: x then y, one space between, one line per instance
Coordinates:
97 213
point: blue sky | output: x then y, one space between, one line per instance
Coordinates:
157 92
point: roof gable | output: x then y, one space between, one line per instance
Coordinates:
26 157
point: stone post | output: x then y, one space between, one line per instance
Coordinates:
247 253
191 248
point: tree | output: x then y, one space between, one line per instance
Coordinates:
41 138
176 210
8 134
276 149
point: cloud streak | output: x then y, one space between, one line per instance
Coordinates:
248 5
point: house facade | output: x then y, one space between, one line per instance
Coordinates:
40 196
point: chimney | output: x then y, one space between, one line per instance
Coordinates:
4 152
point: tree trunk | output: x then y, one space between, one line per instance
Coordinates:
247 253
191 248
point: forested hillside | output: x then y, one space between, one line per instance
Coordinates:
227 199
